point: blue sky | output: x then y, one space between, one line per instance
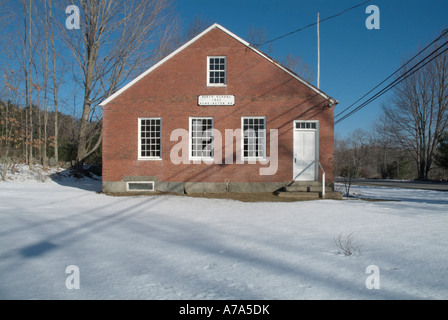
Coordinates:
353 58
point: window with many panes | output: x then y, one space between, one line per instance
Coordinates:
306 125
217 69
150 138
254 137
201 138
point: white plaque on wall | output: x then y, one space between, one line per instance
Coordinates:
216 100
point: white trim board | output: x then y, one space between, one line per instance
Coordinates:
214 26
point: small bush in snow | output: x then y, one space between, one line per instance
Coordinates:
347 245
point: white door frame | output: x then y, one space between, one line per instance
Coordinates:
310 125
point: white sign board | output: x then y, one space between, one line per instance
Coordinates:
216 100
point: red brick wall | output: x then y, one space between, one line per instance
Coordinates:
171 91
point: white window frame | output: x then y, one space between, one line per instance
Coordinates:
140 157
190 140
264 142
208 72
306 125
140 190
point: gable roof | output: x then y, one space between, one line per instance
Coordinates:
247 44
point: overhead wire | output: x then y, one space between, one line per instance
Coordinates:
397 81
394 73
312 24
392 85
388 87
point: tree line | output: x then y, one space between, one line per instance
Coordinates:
15 135
367 155
53 77
410 138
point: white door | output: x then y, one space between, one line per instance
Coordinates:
305 150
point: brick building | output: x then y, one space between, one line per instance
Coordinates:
216 115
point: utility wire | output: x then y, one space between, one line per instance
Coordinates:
389 87
409 61
393 84
312 24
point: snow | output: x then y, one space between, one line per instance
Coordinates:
176 247
21 172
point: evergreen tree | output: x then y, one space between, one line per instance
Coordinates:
441 156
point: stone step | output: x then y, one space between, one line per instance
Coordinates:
307 188
299 195
306 183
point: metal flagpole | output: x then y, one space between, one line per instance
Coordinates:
318 53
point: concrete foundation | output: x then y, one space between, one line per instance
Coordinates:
176 187
194 187
205 187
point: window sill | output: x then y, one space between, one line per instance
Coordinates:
209 85
150 159
254 159
201 159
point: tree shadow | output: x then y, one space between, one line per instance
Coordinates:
72 178
149 222
37 249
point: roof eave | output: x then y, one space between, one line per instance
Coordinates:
130 84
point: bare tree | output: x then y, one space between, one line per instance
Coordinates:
3 15
26 61
359 142
418 112
198 25
175 36
384 145
257 38
116 40
350 155
296 65
51 74
41 13
54 73
12 134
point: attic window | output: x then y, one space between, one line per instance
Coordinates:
216 71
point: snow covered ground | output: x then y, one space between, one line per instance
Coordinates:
171 247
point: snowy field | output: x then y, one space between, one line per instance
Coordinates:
170 247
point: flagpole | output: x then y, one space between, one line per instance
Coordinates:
318 52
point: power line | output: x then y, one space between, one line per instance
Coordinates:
389 87
409 61
393 84
312 24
